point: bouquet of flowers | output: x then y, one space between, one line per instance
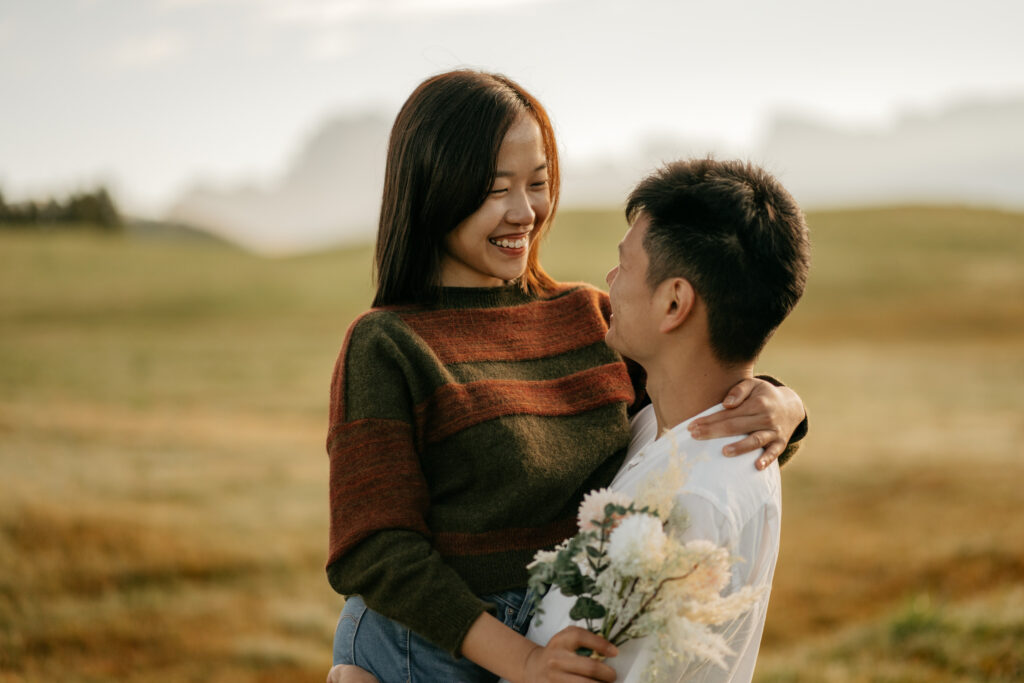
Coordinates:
633 576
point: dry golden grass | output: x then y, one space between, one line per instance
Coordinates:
163 489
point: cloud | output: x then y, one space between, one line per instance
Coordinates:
143 52
330 45
177 4
439 6
331 21
320 12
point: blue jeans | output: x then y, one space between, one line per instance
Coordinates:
394 654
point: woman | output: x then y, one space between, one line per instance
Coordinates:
477 401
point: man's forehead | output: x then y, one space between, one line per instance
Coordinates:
635 232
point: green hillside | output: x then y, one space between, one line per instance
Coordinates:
163 506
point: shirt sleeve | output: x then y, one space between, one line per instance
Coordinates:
380 543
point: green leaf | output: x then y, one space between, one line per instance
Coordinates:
538 586
571 584
586 608
543 573
612 509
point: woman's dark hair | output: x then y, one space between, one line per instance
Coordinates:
442 160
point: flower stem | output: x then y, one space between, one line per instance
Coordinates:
647 603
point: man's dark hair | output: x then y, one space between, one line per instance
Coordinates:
737 236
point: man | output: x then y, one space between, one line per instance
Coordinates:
715 258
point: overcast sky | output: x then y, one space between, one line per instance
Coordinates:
150 95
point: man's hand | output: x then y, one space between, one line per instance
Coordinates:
769 414
559 661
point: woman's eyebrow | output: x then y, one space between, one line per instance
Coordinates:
509 174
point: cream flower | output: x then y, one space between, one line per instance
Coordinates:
701 642
712 572
638 545
543 557
591 512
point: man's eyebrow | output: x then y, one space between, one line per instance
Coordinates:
509 174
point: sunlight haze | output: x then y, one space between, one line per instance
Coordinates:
156 98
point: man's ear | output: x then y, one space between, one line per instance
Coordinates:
676 298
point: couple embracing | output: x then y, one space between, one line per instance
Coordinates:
479 400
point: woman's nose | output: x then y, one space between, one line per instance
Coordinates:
521 211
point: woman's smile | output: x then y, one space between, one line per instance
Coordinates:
513 244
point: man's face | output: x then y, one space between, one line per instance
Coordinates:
632 328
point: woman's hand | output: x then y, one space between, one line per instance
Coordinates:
767 413
559 661
510 655
347 673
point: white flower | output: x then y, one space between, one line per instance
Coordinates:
637 546
591 512
543 557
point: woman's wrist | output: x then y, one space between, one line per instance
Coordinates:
497 648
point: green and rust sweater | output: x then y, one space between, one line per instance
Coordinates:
462 438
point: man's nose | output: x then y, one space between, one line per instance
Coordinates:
611 275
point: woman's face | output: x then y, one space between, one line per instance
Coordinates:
490 246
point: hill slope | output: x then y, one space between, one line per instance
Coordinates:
162 416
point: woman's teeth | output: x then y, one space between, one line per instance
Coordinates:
510 244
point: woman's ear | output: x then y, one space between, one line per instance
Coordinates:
676 298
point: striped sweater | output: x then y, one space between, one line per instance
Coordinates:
462 437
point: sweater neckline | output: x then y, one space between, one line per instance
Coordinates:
482 297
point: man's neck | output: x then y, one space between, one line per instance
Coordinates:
684 385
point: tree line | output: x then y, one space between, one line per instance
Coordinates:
95 208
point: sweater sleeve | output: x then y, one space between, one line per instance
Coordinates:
380 546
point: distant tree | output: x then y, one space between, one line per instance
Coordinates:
49 212
82 209
30 213
96 208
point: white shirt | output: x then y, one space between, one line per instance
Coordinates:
729 503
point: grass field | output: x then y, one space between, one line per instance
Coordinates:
163 477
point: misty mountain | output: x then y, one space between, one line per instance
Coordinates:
330 193
972 152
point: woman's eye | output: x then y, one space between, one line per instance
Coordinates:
498 191
539 183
